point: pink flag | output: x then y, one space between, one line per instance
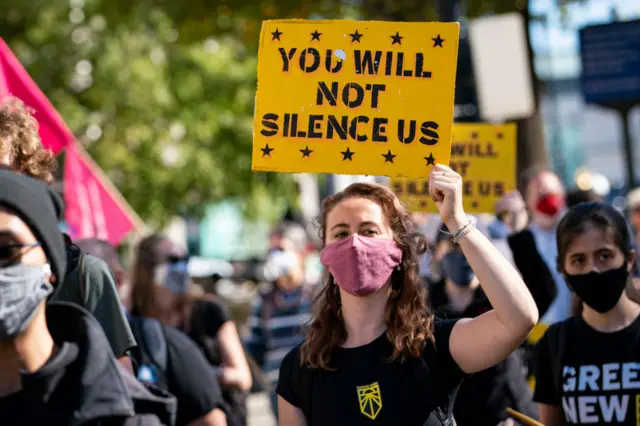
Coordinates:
94 206
14 80
94 209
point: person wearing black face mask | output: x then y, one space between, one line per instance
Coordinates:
587 368
459 295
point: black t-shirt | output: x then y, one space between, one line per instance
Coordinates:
365 386
207 318
593 376
191 379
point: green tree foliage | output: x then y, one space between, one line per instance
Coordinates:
161 92
170 121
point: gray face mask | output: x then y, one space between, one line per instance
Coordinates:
173 276
22 289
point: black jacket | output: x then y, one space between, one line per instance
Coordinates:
535 272
82 384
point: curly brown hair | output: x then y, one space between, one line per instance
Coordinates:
408 317
20 142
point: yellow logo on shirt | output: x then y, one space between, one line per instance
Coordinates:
370 399
638 409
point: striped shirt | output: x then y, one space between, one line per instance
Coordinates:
276 328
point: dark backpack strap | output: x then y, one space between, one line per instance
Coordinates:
151 350
442 416
149 332
449 421
155 342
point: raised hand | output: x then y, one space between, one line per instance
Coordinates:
445 187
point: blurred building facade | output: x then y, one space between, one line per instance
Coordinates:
578 134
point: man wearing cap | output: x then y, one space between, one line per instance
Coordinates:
55 363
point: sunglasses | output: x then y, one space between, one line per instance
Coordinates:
173 259
12 251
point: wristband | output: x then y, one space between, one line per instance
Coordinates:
462 232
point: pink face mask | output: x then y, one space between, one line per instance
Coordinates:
361 265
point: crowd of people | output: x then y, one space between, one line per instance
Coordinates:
537 314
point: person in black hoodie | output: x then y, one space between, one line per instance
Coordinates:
56 366
484 397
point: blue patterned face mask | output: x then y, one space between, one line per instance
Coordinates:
22 289
173 276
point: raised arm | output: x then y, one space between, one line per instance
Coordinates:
479 343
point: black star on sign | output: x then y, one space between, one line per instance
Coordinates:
355 37
474 204
276 35
430 159
499 135
474 135
266 151
346 155
388 157
423 204
315 35
397 39
437 41
306 152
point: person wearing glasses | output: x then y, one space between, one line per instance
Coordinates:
161 289
185 373
21 150
56 367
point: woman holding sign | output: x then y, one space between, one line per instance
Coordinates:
374 352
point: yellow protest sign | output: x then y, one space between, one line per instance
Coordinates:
348 97
485 157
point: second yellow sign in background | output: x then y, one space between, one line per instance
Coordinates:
485 156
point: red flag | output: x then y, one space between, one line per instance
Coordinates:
94 209
14 80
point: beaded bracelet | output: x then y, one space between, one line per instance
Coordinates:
462 232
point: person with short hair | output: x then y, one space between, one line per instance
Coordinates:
633 209
279 314
21 150
578 196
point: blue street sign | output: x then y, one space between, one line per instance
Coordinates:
611 63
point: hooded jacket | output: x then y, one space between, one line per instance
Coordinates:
82 384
